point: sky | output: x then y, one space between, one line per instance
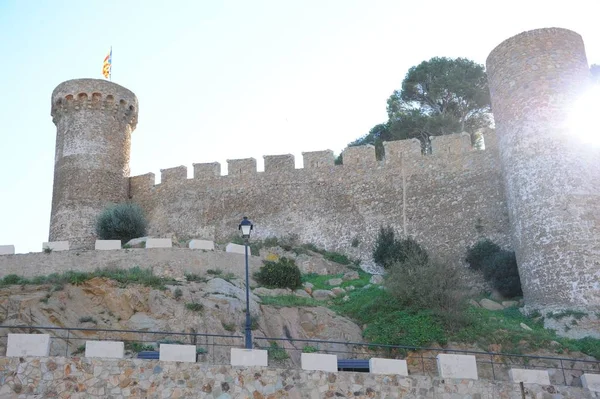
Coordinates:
220 80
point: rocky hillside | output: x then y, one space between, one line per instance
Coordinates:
337 302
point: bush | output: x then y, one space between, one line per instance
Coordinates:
502 272
499 267
195 307
121 222
280 274
480 252
388 250
421 284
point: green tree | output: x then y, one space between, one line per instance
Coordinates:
439 96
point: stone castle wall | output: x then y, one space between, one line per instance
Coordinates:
78 378
551 175
94 120
446 200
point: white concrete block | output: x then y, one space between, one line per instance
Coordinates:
318 361
237 249
591 382
105 349
21 345
202 244
388 366
56 245
177 353
457 366
540 377
159 243
249 357
106 245
7 249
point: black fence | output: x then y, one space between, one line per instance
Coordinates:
286 352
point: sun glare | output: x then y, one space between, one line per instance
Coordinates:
583 118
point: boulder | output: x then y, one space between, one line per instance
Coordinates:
353 275
137 242
510 304
322 295
525 327
302 294
335 282
262 291
490 305
338 291
376 279
350 288
474 303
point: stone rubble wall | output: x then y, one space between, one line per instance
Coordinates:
78 378
447 200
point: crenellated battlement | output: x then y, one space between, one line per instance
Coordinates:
401 152
94 94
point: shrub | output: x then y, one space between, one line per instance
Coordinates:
87 319
121 222
502 272
281 274
421 284
389 250
480 252
193 306
178 293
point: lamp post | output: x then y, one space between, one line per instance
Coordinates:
246 227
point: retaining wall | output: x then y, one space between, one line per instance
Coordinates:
78 378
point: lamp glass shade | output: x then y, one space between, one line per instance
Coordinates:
246 229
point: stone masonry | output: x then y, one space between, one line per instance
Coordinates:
94 120
551 176
548 212
78 378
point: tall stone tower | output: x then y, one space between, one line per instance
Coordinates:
94 120
552 177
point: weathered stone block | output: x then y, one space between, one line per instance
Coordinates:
249 357
363 155
7 249
245 166
591 382
105 349
319 361
278 163
207 170
202 244
56 245
388 366
177 353
106 245
171 175
237 249
318 159
159 243
22 345
540 377
457 366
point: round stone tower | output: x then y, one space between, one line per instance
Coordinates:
552 177
94 120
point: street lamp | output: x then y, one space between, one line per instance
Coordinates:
246 227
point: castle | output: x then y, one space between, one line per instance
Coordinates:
533 189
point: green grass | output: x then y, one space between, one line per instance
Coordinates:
228 326
276 353
290 301
195 277
320 281
137 347
214 272
195 307
134 275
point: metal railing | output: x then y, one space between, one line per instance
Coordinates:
285 352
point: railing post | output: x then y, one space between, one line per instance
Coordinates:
493 372
67 348
563 372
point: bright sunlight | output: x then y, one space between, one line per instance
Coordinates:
583 118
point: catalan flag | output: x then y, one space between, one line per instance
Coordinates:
107 65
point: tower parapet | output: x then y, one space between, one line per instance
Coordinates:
551 177
94 120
